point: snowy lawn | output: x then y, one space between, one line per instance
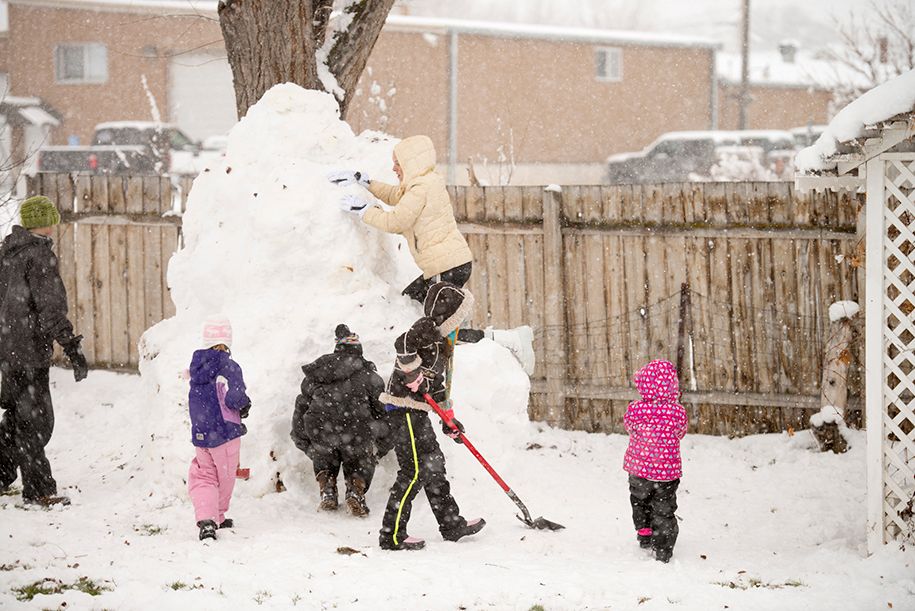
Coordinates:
766 524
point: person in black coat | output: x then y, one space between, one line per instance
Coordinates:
338 421
33 314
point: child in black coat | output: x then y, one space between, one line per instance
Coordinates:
338 420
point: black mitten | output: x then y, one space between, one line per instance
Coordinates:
74 353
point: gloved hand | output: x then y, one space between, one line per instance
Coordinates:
77 359
356 205
447 429
345 178
243 412
415 384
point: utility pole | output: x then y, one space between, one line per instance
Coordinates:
743 99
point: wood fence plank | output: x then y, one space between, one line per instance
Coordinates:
534 289
152 261
496 266
85 305
721 302
136 289
98 200
514 205
532 203
475 204
576 315
151 195
612 198
117 195
617 331
101 292
65 191
495 203
134 195
592 204
514 276
594 279
83 198
166 197
780 203
635 315
479 280
118 275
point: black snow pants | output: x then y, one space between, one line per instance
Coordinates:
653 506
422 466
25 430
458 276
356 458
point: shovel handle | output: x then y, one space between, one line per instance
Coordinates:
448 421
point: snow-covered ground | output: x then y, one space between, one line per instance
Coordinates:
766 523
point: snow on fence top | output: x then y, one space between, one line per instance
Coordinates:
880 104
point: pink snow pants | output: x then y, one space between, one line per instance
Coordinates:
211 480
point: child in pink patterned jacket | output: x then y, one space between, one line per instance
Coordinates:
656 424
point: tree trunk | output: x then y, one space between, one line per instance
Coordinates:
276 41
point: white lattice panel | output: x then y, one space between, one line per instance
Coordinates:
891 422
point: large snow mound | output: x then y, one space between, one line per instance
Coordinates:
880 103
266 245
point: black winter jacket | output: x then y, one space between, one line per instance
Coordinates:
33 301
339 402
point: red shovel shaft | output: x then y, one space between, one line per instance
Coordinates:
441 414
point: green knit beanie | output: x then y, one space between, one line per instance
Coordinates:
38 211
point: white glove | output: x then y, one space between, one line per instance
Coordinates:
345 178
354 204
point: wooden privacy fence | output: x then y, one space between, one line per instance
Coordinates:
739 276
113 243
599 272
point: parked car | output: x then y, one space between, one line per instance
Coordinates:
124 147
678 156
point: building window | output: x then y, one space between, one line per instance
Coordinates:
609 64
81 63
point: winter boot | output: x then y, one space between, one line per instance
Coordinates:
644 537
470 527
409 543
663 555
328 484
355 497
47 501
520 341
227 523
207 529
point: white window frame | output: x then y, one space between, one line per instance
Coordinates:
608 52
87 48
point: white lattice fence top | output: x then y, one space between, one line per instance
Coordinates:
898 418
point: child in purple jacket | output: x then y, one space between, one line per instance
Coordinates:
656 424
217 403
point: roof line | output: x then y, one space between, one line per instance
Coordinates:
408 23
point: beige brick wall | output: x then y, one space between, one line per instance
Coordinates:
138 44
775 107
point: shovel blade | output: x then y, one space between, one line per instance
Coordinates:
541 523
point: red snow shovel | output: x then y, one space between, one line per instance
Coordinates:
541 523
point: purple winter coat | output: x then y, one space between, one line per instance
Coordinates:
216 396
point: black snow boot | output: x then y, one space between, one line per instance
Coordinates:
409 543
663 555
328 484
355 497
227 523
47 501
470 527
207 529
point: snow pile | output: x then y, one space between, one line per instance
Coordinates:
843 309
880 103
828 414
266 245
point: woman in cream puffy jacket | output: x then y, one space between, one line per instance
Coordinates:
422 213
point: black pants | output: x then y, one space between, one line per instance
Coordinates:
25 430
356 459
422 467
458 276
653 506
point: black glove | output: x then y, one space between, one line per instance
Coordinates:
448 430
243 412
77 359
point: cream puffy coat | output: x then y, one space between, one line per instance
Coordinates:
422 210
